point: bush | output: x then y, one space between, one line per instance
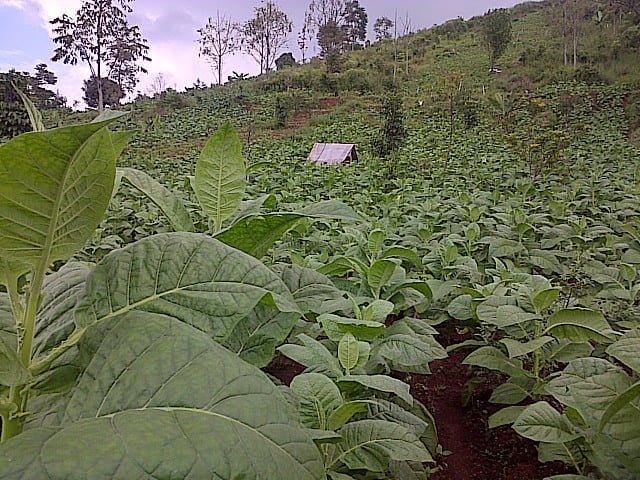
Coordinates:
587 74
356 79
171 99
631 37
392 135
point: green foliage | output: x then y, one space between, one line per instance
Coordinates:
14 118
111 91
101 36
93 325
221 176
392 135
286 60
509 216
496 32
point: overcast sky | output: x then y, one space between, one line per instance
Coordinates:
170 27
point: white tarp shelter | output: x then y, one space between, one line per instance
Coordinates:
333 153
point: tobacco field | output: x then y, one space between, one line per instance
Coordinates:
185 296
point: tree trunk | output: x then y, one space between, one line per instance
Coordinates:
395 47
575 45
219 69
564 37
99 58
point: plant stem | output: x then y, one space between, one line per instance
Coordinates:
536 355
13 424
14 297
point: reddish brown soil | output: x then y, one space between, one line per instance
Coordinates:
284 369
302 118
477 453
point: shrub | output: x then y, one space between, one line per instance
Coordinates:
392 135
587 74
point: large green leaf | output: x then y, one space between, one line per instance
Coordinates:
188 276
35 117
493 359
626 350
331 210
371 444
256 234
623 400
221 175
506 416
382 383
318 399
54 189
345 412
313 355
411 349
311 290
148 445
543 423
520 349
418 420
62 291
580 325
348 352
159 399
576 372
256 337
170 204
335 327
380 273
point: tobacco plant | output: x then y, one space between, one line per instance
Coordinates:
115 370
526 337
597 432
374 422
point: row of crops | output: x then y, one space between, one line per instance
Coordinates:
181 274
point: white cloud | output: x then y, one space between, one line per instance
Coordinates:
11 53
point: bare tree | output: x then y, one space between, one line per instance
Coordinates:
158 86
326 12
306 35
265 34
218 38
101 37
407 30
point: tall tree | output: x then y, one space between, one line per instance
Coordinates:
218 38
355 21
266 33
101 37
331 39
44 76
122 58
382 28
328 18
496 31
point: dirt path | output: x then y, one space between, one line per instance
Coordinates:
477 453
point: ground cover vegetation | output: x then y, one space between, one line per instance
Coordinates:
490 224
